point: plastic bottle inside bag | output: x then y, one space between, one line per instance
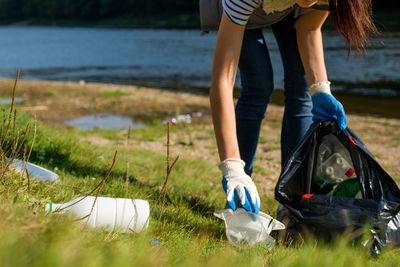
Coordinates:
336 169
333 162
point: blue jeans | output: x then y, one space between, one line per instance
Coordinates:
257 86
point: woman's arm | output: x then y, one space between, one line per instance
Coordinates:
236 183
309 41
226 58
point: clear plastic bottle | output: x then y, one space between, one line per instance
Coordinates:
336 169
122 214
334 163
34 170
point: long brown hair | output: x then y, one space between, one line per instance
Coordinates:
353 20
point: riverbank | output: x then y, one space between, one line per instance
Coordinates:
55 103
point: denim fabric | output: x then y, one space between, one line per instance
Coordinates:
257 85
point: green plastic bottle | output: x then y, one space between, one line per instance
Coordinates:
347 188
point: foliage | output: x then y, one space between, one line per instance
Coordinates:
91 9
100 9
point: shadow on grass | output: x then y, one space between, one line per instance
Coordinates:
178 202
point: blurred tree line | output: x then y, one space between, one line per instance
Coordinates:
92 9
99 9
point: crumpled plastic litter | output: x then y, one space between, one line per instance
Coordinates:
183 118
246 229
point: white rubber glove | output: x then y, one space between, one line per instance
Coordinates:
237 184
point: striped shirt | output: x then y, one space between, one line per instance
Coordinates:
239 11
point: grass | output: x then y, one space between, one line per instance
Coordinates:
115 93
111 134
262 140
155 132
187 232
51 92
260 170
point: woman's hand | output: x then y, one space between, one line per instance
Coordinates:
239 187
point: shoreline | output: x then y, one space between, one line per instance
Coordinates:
55 103
364 105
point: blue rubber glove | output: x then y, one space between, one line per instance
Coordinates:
239 187
325 106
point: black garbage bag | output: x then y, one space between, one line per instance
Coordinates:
330 200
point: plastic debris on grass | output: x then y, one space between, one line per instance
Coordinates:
34 171
183 118
246 229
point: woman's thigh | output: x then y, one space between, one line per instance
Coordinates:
295 82
297 116
256 76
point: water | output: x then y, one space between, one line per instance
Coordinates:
173 58
104 121
8 100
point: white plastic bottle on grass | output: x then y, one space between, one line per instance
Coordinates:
120 214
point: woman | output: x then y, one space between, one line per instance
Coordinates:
300 43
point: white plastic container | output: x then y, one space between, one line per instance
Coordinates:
247 229
120 214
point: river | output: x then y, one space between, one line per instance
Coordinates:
174 58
